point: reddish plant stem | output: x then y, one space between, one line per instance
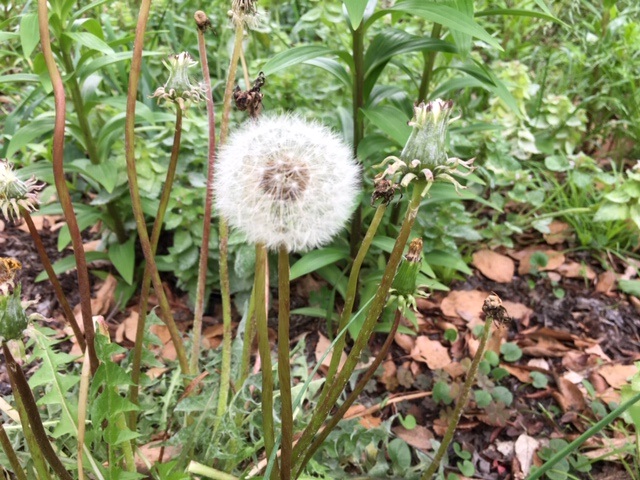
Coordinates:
20 387
46 263
84 285
11 454
134 189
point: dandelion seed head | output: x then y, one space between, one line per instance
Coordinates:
283 181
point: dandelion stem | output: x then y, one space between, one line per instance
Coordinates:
462 401
84 284
352 291
284 366
202 22
337 386
46 263
29 413
11 454
134 190
231 80
247 341
265 350
146 279
353 396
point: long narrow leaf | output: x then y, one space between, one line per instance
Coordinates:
294 56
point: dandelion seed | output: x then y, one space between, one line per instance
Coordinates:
179 88
285 182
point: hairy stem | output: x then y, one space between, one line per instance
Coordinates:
353 396
352 291
84 285
379 300
429 62
206 223
11 455
231 80
146 279
462 401
134 190
264 349
357 38
21 389
55 283
247 341
284 366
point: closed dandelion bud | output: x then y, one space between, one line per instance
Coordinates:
285 182
427 141
13 319
179 88
405 282
15 193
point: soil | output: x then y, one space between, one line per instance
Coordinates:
578 310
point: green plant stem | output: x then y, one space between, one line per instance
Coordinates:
206 223
11 454
284 366
353 396
247 341
357 40
21 388
89 143
462 401
231 80
265 350
593 430
379 300
165 196
429 62
199 469
55 283
36 455
134 190
352 292
84 285
225 290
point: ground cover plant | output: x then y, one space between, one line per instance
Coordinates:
307 239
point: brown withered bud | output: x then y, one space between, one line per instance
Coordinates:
202 21
385 190
493 308
415 251
251 100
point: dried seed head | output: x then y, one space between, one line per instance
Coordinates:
179 89
15 193
244 12
285 182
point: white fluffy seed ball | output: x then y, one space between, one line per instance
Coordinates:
283 181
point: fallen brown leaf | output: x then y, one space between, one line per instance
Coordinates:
388 377
419 437
494 266
609 446
558 233
569 396
430 352
606 282
525 448
404 341
576 270
465 304
617 375
554 260
321 347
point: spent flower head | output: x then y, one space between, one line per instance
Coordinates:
179 88
406 285
244 12
283 181
424 156
15 193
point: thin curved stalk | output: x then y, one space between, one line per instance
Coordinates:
265 351
247 341
134 190
55 283
11 454
146 279
462 401
231 80
21 388
84 285
352 292
379 300
206 224
284 366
